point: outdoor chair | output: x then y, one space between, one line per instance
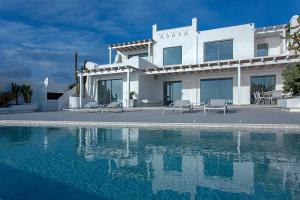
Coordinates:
180 105
117 105
216 104
261 99
276 94
91 106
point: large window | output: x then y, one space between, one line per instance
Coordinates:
141 55
110 91
216 89
261 84
218 50
171 91
172 55
262 50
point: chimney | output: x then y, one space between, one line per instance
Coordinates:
154 29
194 22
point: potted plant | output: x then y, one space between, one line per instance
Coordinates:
133 99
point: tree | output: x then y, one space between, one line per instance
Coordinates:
291 78
76 73
83 69
293 35
15 90
27 93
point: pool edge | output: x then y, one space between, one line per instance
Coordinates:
238 126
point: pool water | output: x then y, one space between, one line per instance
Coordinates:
130 163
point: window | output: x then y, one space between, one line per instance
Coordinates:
262 50
218 50
53 95
172 91
216 89
172 55
141 55
110 91
261 84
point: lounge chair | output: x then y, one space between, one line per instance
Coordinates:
180 105
87 107
216 104
117 105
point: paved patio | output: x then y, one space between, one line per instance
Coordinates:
244 115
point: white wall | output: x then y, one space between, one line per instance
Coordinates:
183 36
242 36
275 44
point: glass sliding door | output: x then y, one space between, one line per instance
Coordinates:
172 91
216 89
110 91
261 84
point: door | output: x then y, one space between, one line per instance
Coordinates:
172 91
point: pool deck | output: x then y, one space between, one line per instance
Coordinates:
237 117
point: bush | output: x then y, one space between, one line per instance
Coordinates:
291 78
5 98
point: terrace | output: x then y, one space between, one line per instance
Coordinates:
238 117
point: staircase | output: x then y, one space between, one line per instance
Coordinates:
63 101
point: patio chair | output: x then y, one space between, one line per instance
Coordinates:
261 99
216 104
92 106
180 105
117 105
276 94
255 98
87 107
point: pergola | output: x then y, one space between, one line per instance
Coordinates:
130 46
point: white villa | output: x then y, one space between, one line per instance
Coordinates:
185 63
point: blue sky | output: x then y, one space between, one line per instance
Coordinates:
38 38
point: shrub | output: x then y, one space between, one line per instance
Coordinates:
291 78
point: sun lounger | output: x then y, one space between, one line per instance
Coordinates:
112 106
216 104
181 105
91 106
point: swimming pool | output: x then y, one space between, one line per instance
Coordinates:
130 163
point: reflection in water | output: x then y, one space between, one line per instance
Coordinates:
159 164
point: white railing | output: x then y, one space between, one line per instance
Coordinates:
64 99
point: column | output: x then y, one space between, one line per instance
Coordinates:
81 90
128 88
149 52
109 55
239 84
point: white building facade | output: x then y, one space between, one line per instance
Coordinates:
183 63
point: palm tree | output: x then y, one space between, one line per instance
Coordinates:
15 90
27 93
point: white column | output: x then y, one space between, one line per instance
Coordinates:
128 88
149 52
81 90
239 84
284 42
109 55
